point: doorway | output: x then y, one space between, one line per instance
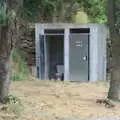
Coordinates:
52 59
54 65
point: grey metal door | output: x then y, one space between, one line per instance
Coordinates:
79 57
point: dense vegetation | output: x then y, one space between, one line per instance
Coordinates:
20 69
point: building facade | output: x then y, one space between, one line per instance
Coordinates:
71 52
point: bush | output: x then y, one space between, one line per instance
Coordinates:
12 104
20 69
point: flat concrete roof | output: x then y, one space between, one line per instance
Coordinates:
67 25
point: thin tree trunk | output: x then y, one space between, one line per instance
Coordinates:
114 90
5 74
9 34
5 61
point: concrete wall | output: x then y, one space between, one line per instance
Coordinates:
102 58
97 53
97 47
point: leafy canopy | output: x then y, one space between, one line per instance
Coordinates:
35 10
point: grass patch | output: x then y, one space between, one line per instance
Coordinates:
10 99
19 67
12 105
16 109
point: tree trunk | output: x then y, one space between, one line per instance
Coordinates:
5 59
5 74
9 34
114 90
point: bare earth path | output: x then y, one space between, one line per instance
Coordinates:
44 100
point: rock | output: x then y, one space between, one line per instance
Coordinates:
26 45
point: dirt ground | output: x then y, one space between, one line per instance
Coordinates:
45 100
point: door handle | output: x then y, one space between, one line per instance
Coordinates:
85 58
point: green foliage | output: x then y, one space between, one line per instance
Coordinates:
81 18
33 8
95 9
117 12
47 9
98 11
63 10
13 105
9 9
20 68
10 99
5 18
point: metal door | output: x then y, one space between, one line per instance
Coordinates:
79 57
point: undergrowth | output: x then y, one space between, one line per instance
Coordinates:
12 104
19 67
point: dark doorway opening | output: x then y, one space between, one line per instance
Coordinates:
54 57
